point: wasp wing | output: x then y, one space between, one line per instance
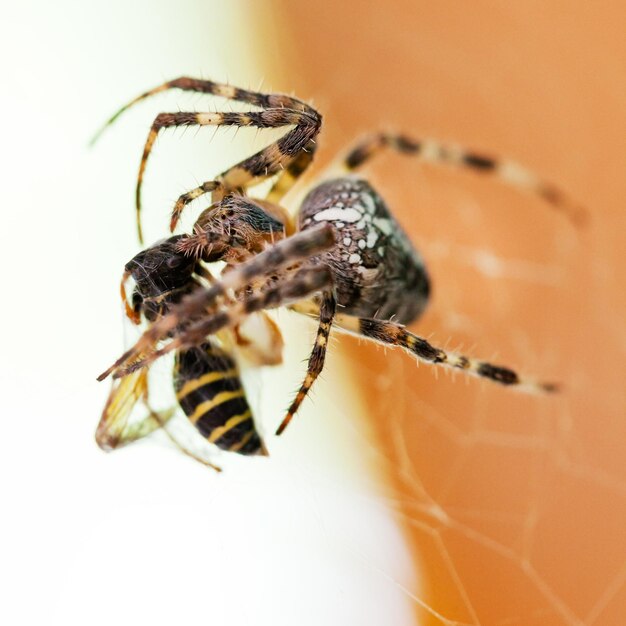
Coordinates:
116 428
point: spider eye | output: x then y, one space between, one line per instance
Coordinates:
174 261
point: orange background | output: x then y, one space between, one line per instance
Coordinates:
514 505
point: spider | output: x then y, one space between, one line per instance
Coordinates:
343 258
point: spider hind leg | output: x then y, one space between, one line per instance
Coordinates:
392 334
447 154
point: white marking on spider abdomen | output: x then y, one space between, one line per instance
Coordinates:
333 214
369 204
372 238
384 224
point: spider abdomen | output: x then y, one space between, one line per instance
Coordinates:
376 270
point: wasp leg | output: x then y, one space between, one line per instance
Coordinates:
162 419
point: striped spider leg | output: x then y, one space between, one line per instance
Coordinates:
377 276
198 314
441 153
289 287
287 157
396 335
393 334
344 258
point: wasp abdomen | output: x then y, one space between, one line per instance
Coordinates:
210 393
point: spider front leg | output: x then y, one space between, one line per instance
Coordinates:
392 334
327 310
251 171
287 176
292 250
290 174
190 196
302 283
287 157
440 153
210 87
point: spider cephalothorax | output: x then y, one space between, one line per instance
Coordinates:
342 257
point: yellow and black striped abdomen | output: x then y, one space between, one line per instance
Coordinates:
210 393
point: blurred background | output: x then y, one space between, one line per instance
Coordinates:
397 496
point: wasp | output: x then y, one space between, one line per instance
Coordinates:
205 377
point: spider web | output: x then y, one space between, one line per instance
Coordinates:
514 504
515 532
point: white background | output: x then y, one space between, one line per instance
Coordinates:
145 534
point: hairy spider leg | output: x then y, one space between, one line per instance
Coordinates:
209 87
440 153
207 187
266 163
315 366
305 282
392 334
276 159
301 246
288 173
292 172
